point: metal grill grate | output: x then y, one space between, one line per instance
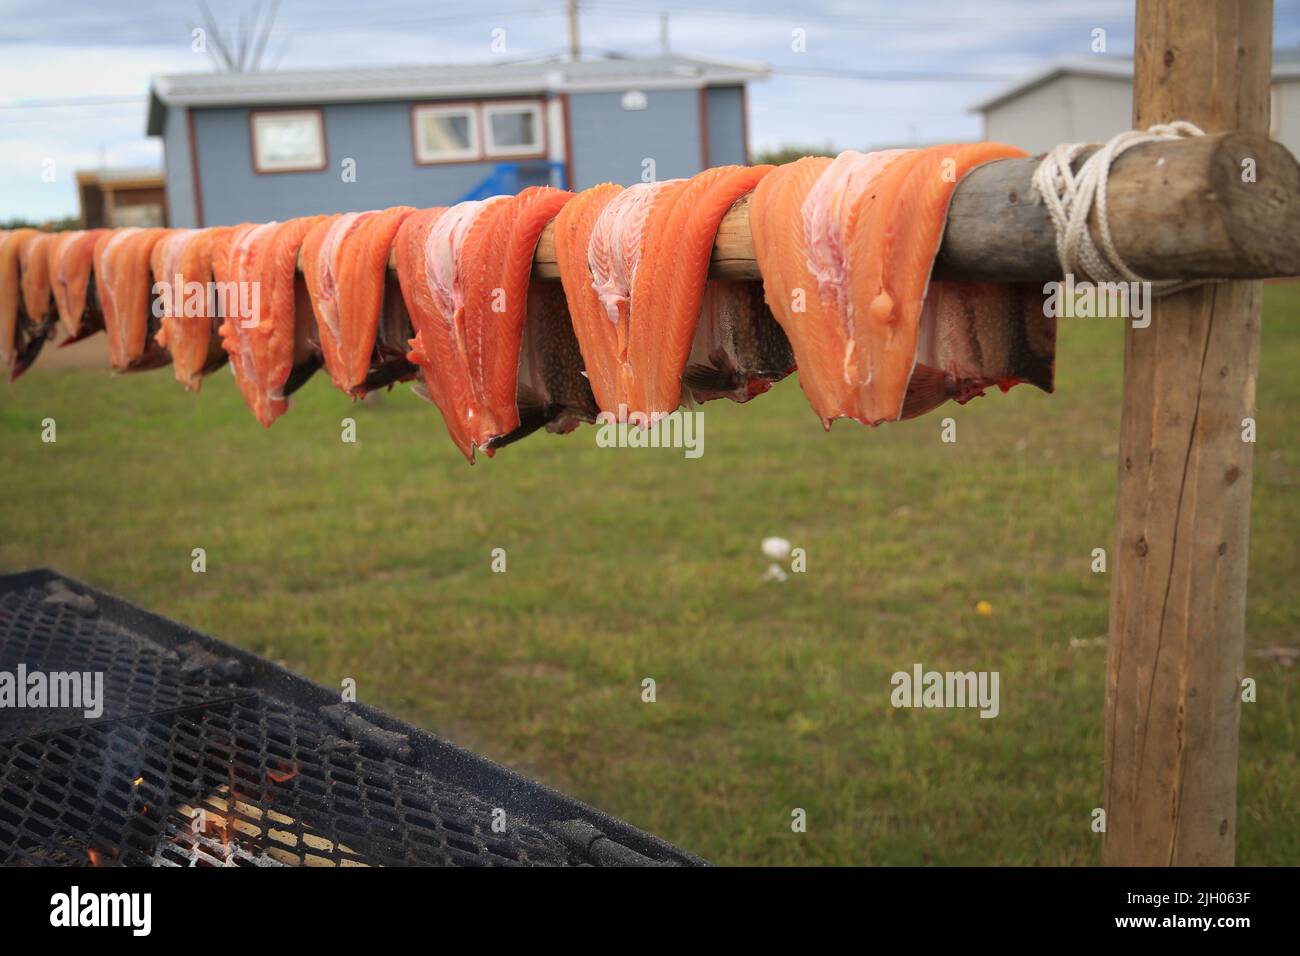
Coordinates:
205 755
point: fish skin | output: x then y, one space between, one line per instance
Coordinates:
552 390
597 336
345 260
190 339
392 342
979 335
739 350
70 257
125 288
271 352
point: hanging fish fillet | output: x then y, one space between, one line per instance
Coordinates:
71 256
846 247
362 326
597 336
537 350
646 258
269 330
21 337
491 347
190 304
38 305
125 288
34 266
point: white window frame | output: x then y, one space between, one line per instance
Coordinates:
426 158
490 149
260 165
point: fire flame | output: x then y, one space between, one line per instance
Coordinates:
287 772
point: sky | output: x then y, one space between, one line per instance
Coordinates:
74 75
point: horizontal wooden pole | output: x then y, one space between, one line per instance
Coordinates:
1178 210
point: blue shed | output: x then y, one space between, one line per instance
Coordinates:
262 146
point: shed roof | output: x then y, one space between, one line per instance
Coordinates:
440 80
1286 66
121 177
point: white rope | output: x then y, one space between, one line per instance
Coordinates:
1070 198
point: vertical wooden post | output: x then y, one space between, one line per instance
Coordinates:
1178 601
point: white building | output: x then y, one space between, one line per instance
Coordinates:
1091 99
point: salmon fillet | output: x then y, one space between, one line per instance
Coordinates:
804 310
648 250
737 349
182 266
125 288
480 326
269 329
19 345
37 320
71 255
362 328
426 265
34 266
597 336
526 351
846 247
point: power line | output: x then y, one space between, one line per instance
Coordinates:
893 76
77 101
866 21
183 27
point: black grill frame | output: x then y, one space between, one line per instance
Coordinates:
190 720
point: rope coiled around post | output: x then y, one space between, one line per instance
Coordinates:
1070 198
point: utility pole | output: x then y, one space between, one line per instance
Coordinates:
574 47
663 32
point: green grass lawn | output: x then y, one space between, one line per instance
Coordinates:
373 561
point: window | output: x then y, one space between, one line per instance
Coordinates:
287 141
466 132
445 133
513 129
